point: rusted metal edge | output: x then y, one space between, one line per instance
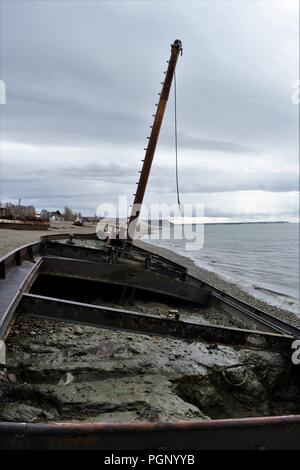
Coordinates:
65 427
230 304
226 300
62 236
176 49
238 308
14 258
113 254
276 432
126 320
25 285
124 275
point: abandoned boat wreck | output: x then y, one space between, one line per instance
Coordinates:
152 345
112 346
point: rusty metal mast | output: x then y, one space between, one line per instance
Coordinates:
176 49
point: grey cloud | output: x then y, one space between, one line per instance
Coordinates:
87 73
192 180
49 119
213 145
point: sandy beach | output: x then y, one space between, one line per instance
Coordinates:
12 239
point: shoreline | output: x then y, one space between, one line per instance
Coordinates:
216 280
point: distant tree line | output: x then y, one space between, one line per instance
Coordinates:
19 211
70 216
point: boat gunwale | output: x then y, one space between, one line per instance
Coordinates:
77 427
255 433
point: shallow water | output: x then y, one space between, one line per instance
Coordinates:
263 259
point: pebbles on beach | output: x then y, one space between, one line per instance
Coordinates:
220 283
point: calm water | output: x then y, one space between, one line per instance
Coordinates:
261 258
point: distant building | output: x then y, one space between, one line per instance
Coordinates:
4 212
56 215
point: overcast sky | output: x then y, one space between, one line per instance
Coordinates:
82 79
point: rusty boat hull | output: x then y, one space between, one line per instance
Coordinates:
84 257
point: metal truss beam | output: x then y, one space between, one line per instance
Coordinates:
125 274
124 320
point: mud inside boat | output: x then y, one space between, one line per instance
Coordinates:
97 336
60 371
101 332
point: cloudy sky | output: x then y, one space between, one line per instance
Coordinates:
82 79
